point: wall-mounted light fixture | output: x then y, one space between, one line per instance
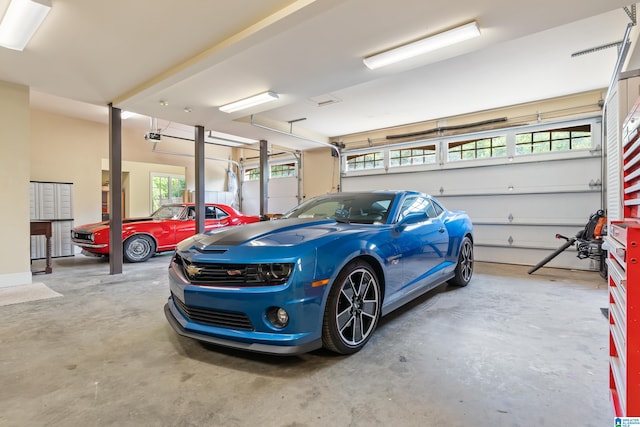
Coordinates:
20 22
249 102
419 47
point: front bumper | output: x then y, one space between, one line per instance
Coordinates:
86 245
237 317
288 350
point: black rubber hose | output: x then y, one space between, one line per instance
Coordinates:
553 255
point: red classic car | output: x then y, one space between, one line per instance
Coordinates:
162 231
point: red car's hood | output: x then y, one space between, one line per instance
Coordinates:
92 228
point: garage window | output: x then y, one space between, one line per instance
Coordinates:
478 148
252 174
365 161
166 189
413 156
283 170
546 141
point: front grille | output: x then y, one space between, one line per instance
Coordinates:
218 274
222 319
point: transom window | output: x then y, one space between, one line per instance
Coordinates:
277 171
365 161
282 170
478 148
564 139
252 174
413 156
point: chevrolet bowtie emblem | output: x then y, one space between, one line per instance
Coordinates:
193 271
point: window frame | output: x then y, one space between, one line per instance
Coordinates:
476 149
533 141
170 199
251 172
412 156
379 163
594 123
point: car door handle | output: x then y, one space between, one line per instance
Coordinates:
441 230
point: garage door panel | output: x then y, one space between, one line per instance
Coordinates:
539 237
566 175
282 195
566 259
557 175
563 208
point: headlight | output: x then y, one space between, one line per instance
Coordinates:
276 273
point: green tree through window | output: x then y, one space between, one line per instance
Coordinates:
166 189
563 139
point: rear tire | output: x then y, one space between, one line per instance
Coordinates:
353 309
464 268
139 248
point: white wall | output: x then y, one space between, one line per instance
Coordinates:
65 149
14 175
137 197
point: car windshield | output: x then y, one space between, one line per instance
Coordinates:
364 208
168 212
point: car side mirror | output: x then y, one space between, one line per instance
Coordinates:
412 218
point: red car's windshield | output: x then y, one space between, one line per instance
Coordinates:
168 212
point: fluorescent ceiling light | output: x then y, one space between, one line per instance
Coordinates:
20 22
419 47
227 137
127 115
249 102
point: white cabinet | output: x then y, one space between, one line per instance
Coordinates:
52 201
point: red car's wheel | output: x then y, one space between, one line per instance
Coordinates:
139 248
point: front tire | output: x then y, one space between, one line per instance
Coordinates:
464 268
353 309
139 248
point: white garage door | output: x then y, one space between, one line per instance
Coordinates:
282 188
520 186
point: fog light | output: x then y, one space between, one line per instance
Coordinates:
282 316
279 317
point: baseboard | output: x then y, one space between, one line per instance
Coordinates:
15 279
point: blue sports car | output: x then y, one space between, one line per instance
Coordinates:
321 276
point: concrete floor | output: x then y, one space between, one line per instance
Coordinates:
508 350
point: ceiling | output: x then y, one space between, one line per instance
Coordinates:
201 54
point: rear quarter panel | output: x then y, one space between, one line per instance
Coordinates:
458 225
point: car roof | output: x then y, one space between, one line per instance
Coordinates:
390 192
192 204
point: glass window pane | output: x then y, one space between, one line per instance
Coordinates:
540 147
565 139
541 136
560 135
562 145
484 143
581 143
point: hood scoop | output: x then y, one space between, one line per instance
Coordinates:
212 251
